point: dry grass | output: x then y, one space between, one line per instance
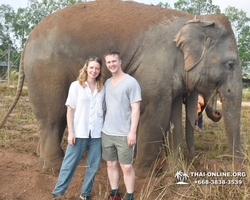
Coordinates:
246 94
212 156
21 124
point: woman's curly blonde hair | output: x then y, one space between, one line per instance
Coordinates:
83 73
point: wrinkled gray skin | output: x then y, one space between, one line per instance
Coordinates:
157 46
175 135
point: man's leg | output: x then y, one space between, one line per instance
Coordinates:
113 174
129 177
125 155
109 153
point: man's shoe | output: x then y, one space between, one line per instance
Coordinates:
114 197
85 197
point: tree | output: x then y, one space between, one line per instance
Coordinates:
27 18
238 19
6 41
6 12
197 7
15 27
240 25
244 47
162 5
21 26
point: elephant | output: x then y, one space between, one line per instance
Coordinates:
168 52
190 101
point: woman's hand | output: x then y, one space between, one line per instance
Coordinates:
71 136
71 139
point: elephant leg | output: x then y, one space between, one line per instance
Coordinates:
190 139
48 99
191 100
175 132
150 137
51 153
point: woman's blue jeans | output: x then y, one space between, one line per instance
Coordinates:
72 157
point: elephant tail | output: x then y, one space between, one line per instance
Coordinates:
18 92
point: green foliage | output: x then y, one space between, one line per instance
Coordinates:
162 5
6 42
14 75
237 17
241 28
21 23
244 45
27 18
197 7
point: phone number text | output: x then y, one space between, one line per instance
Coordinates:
218 182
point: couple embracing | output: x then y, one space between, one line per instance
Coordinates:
114 141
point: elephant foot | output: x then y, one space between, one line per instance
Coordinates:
51 165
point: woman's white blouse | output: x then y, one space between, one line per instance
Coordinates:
88 110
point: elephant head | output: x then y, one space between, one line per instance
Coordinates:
212 64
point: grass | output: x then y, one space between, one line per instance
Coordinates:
11 91
246 94
212 156
21 125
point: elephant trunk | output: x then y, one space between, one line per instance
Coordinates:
214 114
232 114
231 97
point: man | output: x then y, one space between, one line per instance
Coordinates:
123 96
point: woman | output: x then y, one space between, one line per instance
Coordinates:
85 106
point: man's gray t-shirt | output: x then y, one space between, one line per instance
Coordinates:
118 105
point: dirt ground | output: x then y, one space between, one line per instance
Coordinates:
20 175
22 179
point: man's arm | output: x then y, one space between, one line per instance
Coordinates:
135 115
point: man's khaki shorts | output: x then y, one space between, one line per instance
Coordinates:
116 148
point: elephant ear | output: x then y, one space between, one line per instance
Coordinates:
193 40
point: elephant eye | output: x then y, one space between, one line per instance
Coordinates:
230 65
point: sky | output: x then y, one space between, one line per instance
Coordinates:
240 4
